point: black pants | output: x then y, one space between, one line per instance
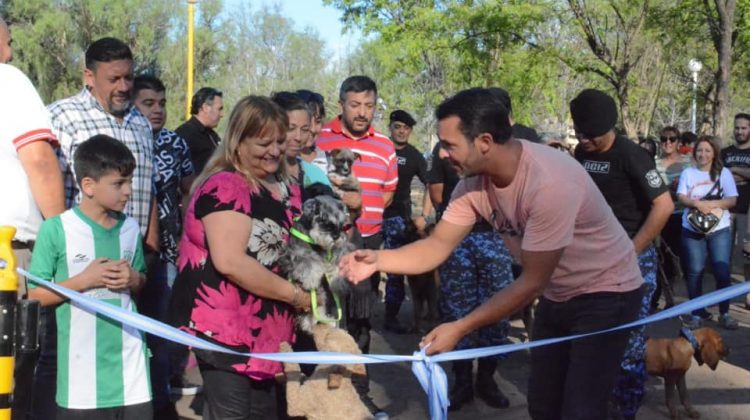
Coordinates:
142 411
231 396
574 379
360 300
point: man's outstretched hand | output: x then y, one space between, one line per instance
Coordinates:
443 338
358 265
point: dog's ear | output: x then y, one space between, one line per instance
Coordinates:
317 189
310 209
335 153
357 156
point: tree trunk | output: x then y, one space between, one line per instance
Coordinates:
725 10
631 129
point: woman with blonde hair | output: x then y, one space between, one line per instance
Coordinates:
707 191
227 290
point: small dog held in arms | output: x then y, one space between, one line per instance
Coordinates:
318 241
670 358
340 170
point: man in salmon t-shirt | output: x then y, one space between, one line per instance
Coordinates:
556 223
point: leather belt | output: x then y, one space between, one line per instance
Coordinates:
23 245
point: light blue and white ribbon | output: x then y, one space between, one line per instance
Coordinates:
430 375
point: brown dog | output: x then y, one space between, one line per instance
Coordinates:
670 358
341 172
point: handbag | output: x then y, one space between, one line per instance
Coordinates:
706 222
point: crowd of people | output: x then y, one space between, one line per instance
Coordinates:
188 226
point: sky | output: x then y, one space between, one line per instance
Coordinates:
312 13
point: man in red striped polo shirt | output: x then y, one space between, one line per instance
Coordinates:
377 173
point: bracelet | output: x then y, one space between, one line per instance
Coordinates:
295 297
296 304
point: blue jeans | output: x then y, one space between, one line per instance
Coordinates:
718 247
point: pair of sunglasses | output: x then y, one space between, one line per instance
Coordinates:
671 139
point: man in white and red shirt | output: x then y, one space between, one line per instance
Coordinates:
377 172
31 185
576 256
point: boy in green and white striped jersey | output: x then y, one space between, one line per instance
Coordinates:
97 250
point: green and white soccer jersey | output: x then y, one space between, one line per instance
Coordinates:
100 363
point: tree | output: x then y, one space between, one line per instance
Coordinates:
615 34
241 52
721 24
424 50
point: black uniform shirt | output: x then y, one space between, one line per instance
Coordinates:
627 177
410 163
734 157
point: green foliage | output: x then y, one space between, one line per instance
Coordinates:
419 52
239 53
545 52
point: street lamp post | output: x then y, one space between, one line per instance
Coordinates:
190 65
694 66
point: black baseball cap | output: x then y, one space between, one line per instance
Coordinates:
404 117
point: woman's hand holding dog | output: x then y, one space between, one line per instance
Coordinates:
359 265
301 300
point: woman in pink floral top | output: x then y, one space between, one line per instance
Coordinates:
228 290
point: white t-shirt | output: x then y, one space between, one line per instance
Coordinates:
23 120
695 184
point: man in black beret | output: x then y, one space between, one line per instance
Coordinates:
411 163
640 200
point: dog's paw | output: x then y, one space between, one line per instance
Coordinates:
306 323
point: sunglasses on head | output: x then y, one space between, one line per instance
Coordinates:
671 139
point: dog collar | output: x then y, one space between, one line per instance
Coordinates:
308 240
313 293
690 337
301 236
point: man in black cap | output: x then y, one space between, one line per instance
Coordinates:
520 131
640 200
411 163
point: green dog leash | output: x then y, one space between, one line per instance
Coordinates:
313 293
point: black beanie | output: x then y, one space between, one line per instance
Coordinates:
402 116
593 112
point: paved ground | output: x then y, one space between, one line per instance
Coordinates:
721 395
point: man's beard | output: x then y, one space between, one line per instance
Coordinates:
741 139
350 126
119 110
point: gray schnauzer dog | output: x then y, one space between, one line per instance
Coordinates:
317 243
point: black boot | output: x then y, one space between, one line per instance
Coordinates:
391 319
486 388
462 390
